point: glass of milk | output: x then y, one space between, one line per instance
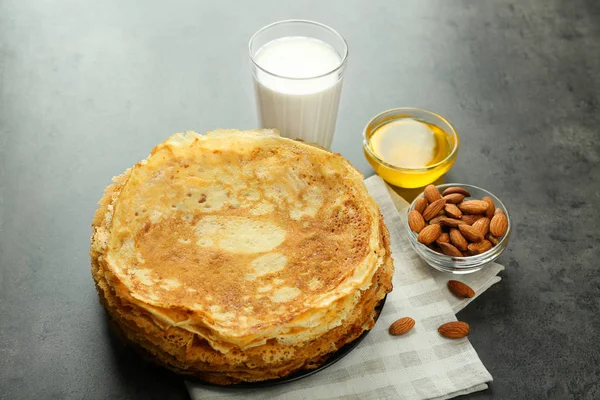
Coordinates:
298 68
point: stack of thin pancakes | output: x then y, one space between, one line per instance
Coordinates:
240 256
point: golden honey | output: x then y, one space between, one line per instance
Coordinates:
409 147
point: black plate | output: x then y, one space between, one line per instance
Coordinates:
337 356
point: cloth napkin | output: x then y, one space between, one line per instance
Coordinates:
415 366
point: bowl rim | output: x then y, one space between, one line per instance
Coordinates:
502 244
409 111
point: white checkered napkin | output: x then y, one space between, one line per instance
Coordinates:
418 365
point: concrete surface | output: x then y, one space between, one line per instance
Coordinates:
88 88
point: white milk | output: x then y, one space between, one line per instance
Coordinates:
300 108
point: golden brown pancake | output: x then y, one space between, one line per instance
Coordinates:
240 256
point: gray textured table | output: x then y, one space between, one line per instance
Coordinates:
86 90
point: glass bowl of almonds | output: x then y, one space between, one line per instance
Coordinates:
458 228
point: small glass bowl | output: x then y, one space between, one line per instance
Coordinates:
410 177
460 265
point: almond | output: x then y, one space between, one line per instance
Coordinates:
452 210
473 206
451 222
437 220
499 224
434 209
454 329
470 219
471 234
456 189
454 198
483 225
432 193
461 289
429 234
478 248
444 238
458 240
465 226
420 204
493 239
402 326
450 250
415 221
491 207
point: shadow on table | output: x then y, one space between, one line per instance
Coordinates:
139 377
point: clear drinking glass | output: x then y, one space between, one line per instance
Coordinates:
298 67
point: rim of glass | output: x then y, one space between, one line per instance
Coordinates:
499 247
410 110
298 21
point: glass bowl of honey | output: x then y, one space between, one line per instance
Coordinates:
410 147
